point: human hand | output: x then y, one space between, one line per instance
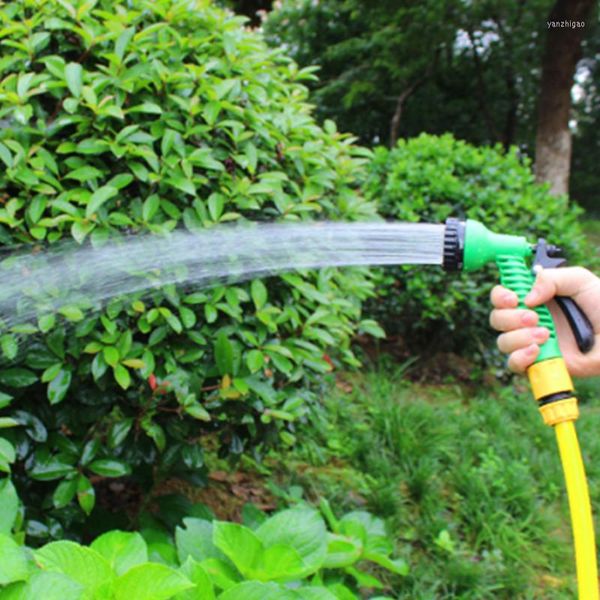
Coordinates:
521 337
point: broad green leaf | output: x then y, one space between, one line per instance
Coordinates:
280 562
58 387
151 581
398 565
98 198
195 539
110 467
254 590
204 589
9 505
239 544
363 579
301 528
123 550
13 562
81 564
321 593
74 78
363 525
52 586
342 551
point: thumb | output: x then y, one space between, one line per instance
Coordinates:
568 281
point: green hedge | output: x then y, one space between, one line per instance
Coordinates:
430 178
146 117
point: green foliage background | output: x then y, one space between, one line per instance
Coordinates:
145 117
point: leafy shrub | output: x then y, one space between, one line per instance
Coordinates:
146 117
268 558
431 178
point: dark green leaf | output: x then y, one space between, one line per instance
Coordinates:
224 354
17 377
110 468
59 386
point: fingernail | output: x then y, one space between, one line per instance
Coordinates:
533 296
531 350
529 318
509 298
540 333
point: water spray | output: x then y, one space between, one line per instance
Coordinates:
469 246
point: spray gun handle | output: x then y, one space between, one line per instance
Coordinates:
578 321
552 257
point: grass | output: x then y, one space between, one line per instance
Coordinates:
470 484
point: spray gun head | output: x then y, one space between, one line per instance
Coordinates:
469 245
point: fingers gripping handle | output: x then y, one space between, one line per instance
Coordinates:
579 323
552 257
516 276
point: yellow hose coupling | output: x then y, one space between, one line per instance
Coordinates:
560 411
549 377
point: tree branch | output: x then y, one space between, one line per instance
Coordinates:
481 89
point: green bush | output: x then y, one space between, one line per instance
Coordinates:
431 178
146 117
267 558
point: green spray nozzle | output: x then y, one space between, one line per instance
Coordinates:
469 246
483 246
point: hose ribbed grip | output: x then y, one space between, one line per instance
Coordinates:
454 244
516 276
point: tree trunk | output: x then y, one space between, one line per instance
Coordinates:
561 54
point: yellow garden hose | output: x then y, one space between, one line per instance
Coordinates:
581 510
469 246
553 389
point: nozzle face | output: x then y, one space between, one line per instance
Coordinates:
454 244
